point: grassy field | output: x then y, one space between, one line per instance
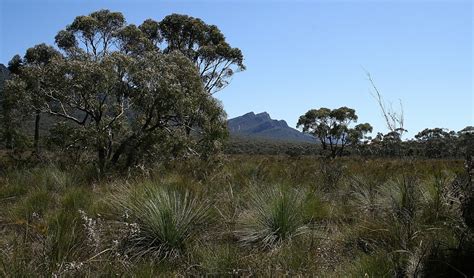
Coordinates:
249 216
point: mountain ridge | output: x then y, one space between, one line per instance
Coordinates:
261 125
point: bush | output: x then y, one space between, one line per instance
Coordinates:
275 214
165 219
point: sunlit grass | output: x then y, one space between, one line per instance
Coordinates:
250 217
165 219
274 214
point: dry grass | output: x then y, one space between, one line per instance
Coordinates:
261 216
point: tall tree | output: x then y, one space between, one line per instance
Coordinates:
34 73
436 142
331 127
131 98
205 45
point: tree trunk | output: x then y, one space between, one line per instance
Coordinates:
8 134
101 155
37 127
7 124
121 149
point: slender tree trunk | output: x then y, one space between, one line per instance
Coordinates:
7 133
7 123
101 155
322 139
121 149
333 148
37 127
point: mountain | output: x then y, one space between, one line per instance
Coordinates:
263 126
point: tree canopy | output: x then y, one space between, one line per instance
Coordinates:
130 92
331 128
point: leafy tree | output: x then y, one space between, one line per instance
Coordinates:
466 141
127 98
331 128
437 142
359 132
33 72
204 44
389 144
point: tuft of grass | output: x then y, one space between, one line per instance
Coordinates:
374 265
275 214
298 256
65 239
32 207
316 208
218 259
165 219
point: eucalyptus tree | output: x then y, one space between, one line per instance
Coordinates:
358 134
33 71
204 44
466 141
331 128
436 142
130 97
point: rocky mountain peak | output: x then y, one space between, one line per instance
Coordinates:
262 125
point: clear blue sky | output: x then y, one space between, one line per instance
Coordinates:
308 54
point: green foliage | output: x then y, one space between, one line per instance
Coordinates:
65 238
274 215
331 127
380 218
375 265
408 219
165 219
128 94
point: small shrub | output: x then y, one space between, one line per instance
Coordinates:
275 214
165 219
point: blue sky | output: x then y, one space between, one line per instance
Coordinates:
308 54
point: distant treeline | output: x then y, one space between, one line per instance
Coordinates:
429 143
262 146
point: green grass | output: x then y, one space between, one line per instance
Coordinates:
165 218
274 214
251 216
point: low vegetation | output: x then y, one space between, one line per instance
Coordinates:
267 215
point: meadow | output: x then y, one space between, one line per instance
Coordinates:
247 216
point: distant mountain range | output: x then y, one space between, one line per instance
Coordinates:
262 126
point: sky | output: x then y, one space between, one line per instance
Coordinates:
302 55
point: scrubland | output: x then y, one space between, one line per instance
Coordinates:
247 216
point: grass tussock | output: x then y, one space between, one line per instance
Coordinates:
251 216
164 219
274 214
